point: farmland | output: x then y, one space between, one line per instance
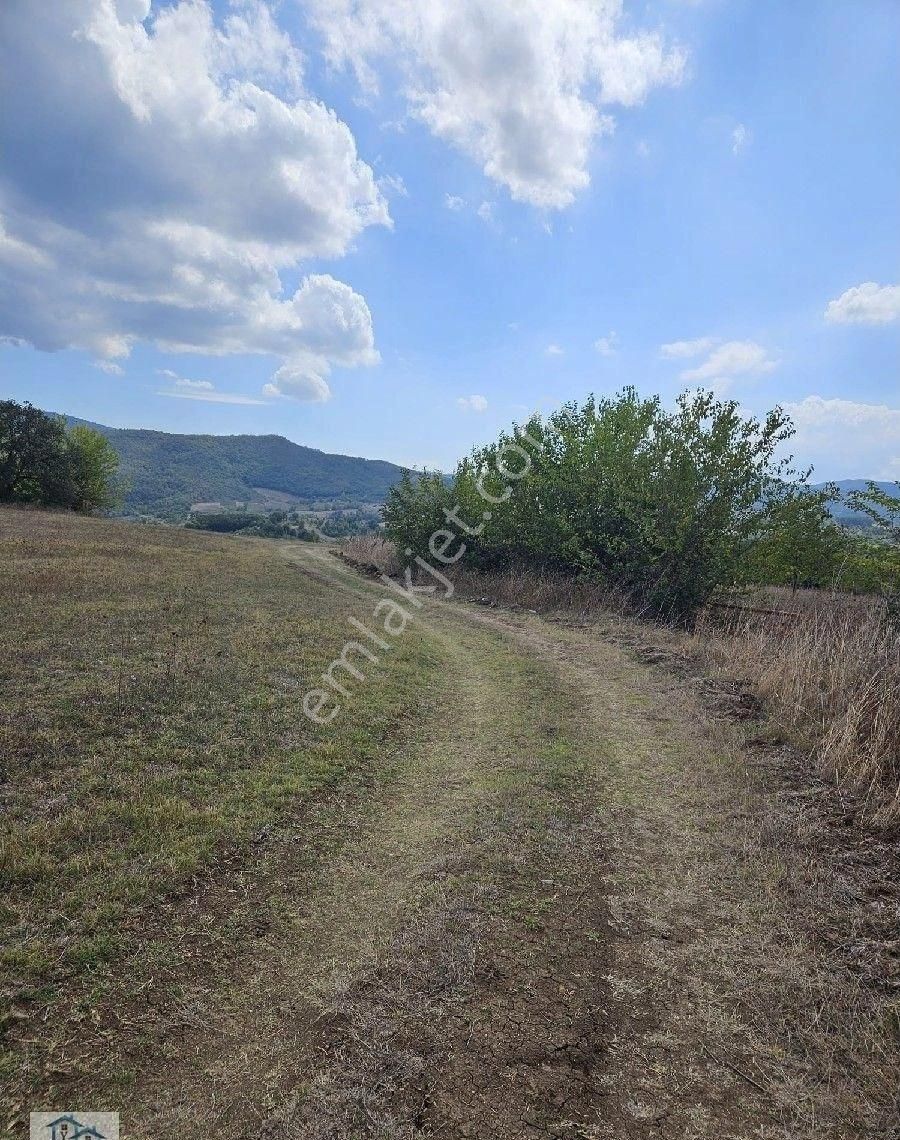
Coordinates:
531 853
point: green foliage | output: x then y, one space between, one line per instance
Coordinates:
870 567
414 509
222 522
799 543
346 524
94 467
33 466
664 505
880 506
44 464
277 524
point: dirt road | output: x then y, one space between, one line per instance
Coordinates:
575 912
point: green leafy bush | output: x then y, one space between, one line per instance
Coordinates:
665 506
44 464
222 522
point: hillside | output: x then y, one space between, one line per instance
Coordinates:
166 473
844 513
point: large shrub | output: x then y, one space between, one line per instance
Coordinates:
664 505
414 510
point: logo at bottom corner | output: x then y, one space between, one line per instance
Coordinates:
74 1126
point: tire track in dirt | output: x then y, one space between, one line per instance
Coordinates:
572 1025
729 1014
723 1010
382 942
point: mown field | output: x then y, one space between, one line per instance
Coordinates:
151 727
824 663
531 855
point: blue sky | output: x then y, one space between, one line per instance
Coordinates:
389 230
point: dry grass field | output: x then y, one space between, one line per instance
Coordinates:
546 875
828 676
150 725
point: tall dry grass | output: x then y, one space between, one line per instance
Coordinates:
514 586
373 552
828 673
829 676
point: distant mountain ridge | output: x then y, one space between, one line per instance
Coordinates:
844 513
167 473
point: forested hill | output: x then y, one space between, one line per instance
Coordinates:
842 511
167 473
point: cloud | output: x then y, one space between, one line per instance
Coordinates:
846 439
109 367
213 397
607 345
554 350
741 137
486 212
732 359
183 382
393 184
159 177
866 304
684 349
185 389
454 202
517 85
195 385
302 380
472 403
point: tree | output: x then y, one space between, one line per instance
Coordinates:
93 468
799 543
881 507
34 465
414 510
664 505
42 463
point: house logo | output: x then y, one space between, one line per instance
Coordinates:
74 1126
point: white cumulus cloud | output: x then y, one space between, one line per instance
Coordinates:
866 304
685 349
732 359
472 403
160 175
518 85
607 345
845 439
